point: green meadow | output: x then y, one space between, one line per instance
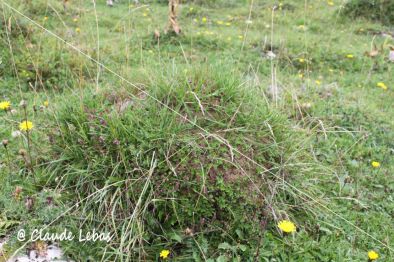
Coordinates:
262 132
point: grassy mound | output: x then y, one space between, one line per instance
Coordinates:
156 181
378 10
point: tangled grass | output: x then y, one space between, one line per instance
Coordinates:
163 182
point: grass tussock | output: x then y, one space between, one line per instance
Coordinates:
166 182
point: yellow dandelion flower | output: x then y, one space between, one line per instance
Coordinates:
287 226
26 125
164 253
204 20
46 103
75 20
382 85
5 105
228 24
301 60
375 164
350 56
78 30
372 255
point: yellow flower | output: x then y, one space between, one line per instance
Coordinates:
349 56
228 24
300 75
301 27
318 82
372 255
204 20
301 60
330 3
164 253
75 20
145 14
375 164
26 125
5 105
287 226
241 37
46 103
78 30
382 85
219 22
45 18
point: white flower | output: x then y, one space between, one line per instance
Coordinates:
391 56
16 133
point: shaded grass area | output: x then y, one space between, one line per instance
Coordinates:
381 11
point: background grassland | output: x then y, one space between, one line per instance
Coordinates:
106 155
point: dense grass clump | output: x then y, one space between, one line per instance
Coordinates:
378 10
167 183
